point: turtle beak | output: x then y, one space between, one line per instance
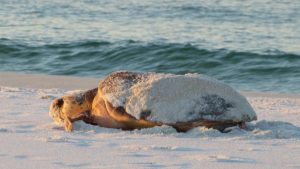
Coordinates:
54 111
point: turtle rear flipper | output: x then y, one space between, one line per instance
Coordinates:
218 125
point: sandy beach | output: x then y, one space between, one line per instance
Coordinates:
29 138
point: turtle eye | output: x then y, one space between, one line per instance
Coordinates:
57 103
60 102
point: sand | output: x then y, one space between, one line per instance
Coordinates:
29 138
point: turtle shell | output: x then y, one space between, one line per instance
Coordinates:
170 99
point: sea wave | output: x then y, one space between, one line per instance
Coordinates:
268 71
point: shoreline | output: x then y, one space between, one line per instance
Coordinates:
42 81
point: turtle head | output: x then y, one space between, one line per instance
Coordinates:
55 110
68 109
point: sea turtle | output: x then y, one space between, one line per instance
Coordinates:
133 100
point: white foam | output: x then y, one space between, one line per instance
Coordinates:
173 98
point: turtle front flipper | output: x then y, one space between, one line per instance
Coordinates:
128 122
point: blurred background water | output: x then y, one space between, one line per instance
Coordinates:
253 45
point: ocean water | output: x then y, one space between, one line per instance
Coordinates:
253 45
